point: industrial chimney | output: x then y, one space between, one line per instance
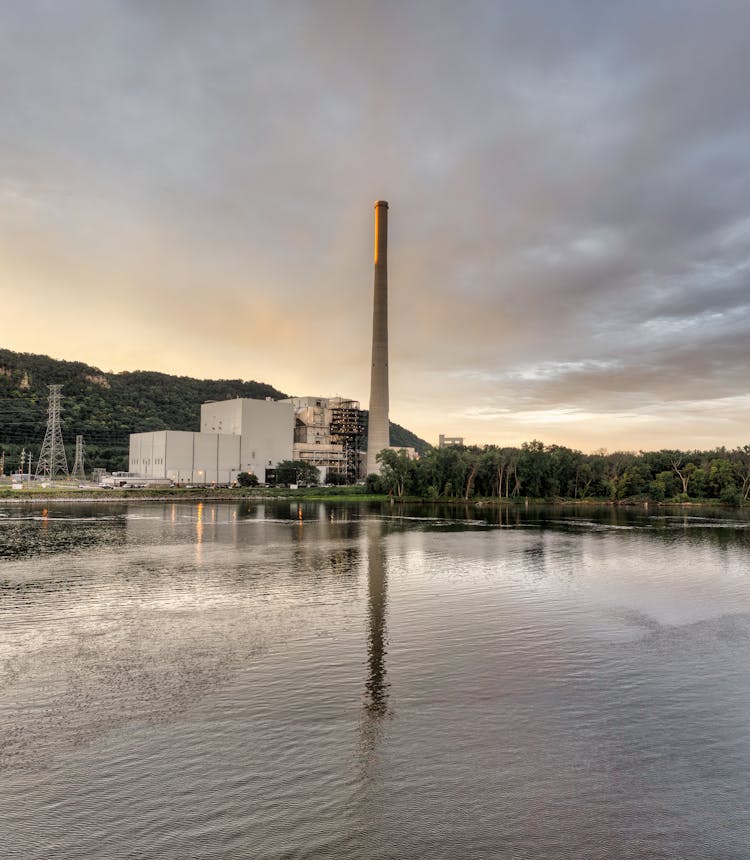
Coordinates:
378 432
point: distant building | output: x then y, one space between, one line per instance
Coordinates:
411 453
447 441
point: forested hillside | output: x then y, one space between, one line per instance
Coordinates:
106 407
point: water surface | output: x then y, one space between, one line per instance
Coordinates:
318 680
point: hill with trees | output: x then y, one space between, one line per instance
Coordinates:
105 408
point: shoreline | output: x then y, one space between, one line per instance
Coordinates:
25 497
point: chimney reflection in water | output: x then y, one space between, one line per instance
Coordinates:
375 706
376 700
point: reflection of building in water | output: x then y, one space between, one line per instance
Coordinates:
377 596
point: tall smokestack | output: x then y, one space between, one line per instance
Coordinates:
378 432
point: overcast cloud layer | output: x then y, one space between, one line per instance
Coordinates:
188 187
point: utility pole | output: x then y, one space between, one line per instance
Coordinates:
52 457
78 471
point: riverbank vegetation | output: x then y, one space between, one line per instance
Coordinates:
69 492
541 471
534 472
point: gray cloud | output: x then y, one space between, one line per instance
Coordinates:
568 187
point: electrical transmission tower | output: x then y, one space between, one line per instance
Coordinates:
78 471
52 457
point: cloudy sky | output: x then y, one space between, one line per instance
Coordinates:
188 187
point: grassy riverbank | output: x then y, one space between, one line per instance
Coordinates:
67 493
95 494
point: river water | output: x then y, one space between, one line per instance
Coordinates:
343 681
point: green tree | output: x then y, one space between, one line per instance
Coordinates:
534 469
741 459
563 471
395 470
724 480
441 468
634 481
247 479
664 486
472 457
374 484
614 466
683 466
297 472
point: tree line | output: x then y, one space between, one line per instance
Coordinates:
540 471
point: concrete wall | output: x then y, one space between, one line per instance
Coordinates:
185 457
267 435
180 462
147 455
265 427
228 457
222 416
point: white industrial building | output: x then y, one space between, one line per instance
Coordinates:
185 457
265 429
245 435
241 435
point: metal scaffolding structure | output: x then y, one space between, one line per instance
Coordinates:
347 428
52 458
78 471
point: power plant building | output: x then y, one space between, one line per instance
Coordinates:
247 435
240 435
327 432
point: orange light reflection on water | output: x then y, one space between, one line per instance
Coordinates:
199 533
